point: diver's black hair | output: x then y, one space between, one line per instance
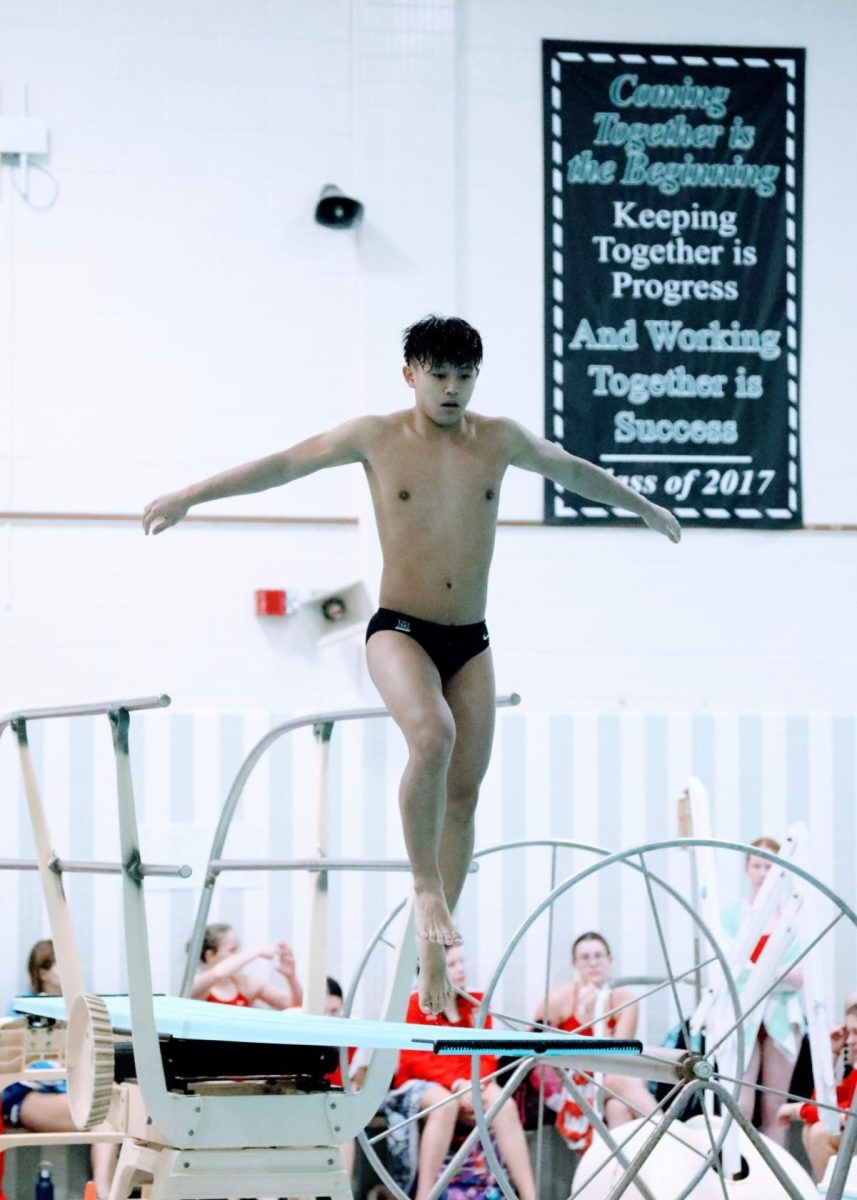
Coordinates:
435 340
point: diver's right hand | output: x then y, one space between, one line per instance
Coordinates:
167 510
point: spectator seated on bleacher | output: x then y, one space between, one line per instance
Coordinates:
44 1107
424 1080
583 1006
221 980
819 1143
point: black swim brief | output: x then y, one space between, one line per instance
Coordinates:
448 646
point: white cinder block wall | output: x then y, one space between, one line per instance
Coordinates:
177 311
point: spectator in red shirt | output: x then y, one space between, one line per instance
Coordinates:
220 978
820 1145
435 1078
578 1006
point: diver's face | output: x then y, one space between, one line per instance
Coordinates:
442 391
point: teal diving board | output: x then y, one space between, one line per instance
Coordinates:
201 1020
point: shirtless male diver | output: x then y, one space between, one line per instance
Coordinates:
434 472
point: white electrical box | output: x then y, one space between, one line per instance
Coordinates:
23 135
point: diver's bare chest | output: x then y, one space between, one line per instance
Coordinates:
432 494
449 480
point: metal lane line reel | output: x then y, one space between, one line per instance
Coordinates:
643 1163
672 1158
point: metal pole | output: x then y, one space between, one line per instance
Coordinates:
217 865
62 866
97 708
59 917
316 986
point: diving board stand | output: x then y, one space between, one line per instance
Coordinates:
188 1143
188 1128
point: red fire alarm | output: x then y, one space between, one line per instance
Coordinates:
270 602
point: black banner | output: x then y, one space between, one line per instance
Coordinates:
673 277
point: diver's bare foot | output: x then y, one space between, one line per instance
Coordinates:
432 920
435 990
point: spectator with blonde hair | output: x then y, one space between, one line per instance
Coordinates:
441 1087
222 980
